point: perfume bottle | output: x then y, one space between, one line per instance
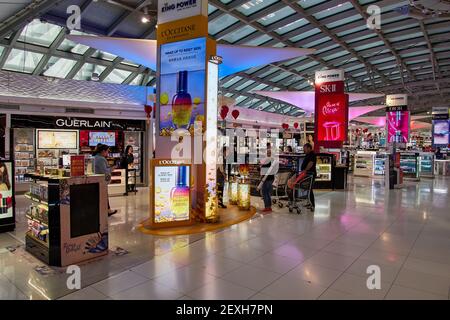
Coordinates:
179 196
182 103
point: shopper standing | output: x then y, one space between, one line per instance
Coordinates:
101 167
309 165
269 167
127 158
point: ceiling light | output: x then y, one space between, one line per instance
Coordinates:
145 19
95 77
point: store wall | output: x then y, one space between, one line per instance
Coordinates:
2 135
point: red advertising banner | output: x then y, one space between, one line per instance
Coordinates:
76 166
332 117
331 109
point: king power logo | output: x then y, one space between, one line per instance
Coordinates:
178 6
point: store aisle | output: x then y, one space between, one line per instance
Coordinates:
278 256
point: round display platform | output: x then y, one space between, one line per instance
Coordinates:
228 217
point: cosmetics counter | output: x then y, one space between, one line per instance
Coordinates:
442 167
380 164
409 163
67 218
48 142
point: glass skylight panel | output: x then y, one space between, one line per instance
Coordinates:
268 72
370 45
240 99
1 50
260 87
87 70
231 82
137 80
305 35
416 53
291 26
39 33
276 16
335 55
405 37
244 85
254 5
211 9
22 61
238 34
334 10
263 105
258 41
352 68
117 76
309 3
281 76
293 61
341 22
307 66
103 55
279 45
363 26
383 60
70 46
222 22
59 67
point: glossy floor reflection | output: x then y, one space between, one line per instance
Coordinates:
325 255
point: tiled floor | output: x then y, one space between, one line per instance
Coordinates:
325 255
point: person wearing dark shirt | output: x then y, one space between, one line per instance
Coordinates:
309 165
439 155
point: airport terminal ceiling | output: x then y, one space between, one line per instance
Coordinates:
409 53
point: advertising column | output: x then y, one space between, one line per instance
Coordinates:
7 219
441 125
184 103
397 127
331 110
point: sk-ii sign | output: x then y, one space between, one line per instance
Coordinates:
329 81
172 10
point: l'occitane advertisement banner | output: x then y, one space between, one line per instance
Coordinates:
184 29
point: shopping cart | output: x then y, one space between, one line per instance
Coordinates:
280 184
299 194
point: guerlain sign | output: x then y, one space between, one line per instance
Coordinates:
90 124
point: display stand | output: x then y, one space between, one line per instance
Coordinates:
118 184
325 165
7 200
442 167
131 180
426 165
364 163
409 163
67 220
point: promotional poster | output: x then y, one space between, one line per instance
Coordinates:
440 132
6 190
182 85
172 193
51 139
332 117
397 123
108 138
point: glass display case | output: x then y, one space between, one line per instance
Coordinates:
24 156
427 164
364 163
324 167
380 164
409 163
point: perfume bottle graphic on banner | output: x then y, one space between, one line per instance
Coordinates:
179 195
182 103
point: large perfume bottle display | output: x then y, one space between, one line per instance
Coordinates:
179 196
182 103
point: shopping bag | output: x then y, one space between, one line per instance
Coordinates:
295 179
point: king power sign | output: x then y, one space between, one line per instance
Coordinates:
172 10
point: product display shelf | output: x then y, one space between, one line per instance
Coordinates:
134 139
62 220
364 163
380 164
427 164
